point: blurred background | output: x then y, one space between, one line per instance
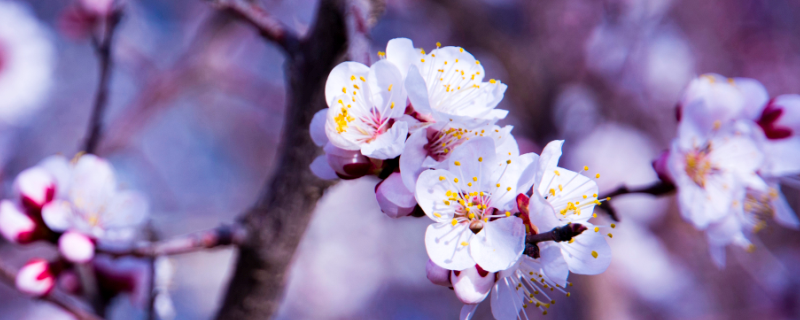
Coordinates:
197 103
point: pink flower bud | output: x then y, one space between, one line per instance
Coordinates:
348 164
35 187
76 247
660 165
35 278
437 275
394 198
16 226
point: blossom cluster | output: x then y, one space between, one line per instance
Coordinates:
504 224
77 205
734 146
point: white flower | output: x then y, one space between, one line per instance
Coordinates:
26 62
447 84
471 203
562 197
89 207
364 104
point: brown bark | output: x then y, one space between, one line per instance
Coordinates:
278 220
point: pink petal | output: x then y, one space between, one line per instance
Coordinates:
35 278
15 225
35 187
437 275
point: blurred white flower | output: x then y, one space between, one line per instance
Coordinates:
26 62
35 278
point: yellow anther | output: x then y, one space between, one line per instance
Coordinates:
391 106
458 163
597 176
594 195
471 215
584 196
568 294
552 191
455 180
594 254
596 229
344 90
477 62
570 240
508 161
422 60
474 178
390 87
610 235
381 54
464 243
438 44
508 213
469 184
480 159
613 225
498 185
441 178
508 189
461 49
362 78
557 173
492 81
585 168
454 222
436 214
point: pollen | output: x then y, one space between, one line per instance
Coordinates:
353 78
585 168
597 176
471 215
596 229
498 185
464 243
613 226
508 213
469 184
508 189
362 79
455 180
480 159
474 178
594 254
390 87
454 222
441 178
508 161
381 54
458 163
391 106
610 235
422 60
557 173
436 214
438 44
492 81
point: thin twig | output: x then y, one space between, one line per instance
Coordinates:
103 50
9 276
269 27
657 189
220 236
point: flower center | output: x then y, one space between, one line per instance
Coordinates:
698 165
759 206
440 143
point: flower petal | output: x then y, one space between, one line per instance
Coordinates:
317 128
76 247
548 161
413 156
35 278
417 91
339 79
506 300
401 52
755 96
467 311
93 184
35 187
499 244
322 169
387 89
470 286
445 245
554 265
58 215
387 145
437 275
59 167
431 193
588 254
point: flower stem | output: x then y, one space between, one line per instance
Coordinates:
659 188
102 48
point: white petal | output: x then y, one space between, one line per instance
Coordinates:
401 52
431 192
35 278
541 214
93 184
322 169
467 311
387 89
506 300
784 214
340 78
781 157
336 138
717 255
394 198
15 225
554 265
128 209
317 128
445 245
589 253
499 244
387 145
58 215
790 112
76 247
548 161
35 186
59 167
470 287
475 158
413 156
417 91
755 95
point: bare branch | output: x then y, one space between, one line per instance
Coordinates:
217 237
9 276
104 54
269 27
656 189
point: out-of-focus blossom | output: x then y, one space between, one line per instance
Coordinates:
35 278
471 204
437 275
124 275
97 7
394 198
26 62
731 137
164 272
472 284
364 104
446 85
89 203
21 218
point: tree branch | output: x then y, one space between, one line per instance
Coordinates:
9 276
657 189
103 49
269 27
217 237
